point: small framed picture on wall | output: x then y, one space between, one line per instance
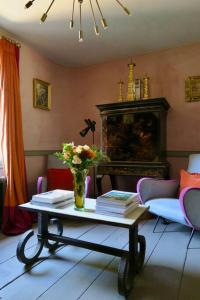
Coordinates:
41 94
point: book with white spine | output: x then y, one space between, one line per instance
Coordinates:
53 196
119 198
116 214
62 203
116 209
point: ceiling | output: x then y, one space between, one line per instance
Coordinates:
153 25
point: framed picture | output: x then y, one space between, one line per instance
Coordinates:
192 88
41 94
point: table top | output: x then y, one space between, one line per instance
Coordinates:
89 213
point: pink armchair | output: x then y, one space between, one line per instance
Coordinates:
58 177
161 197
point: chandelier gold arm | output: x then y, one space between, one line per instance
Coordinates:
29 3
124 8
72 19
80 28
44 16
96 28
103 20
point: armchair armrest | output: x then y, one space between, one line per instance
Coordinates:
87 186
149 188
190 205
41 184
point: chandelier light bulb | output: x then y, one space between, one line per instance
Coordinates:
29 3
43 18
127 11
124 8
104 23
80 35
71 24
96 29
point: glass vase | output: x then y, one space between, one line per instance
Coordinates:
79 188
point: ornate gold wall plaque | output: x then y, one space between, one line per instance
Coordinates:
192 88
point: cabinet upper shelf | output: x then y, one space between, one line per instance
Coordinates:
134 105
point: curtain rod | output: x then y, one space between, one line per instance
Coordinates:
17 44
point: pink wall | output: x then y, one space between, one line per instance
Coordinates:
43 130
167 71
75 93
47 130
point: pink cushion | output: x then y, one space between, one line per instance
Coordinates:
59 179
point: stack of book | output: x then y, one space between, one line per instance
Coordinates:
117 203
53 199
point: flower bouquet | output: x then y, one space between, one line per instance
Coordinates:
79 159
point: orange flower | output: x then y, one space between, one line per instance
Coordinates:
87 154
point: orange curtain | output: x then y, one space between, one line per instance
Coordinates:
14 220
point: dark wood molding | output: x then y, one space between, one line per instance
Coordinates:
40 152
179 154
169 153
135 105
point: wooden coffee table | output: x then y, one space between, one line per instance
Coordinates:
131 260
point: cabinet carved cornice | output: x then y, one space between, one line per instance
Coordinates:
133 135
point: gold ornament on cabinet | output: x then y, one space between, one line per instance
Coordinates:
146 87
120 97
138 89
131 84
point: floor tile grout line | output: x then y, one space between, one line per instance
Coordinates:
76 264
41 260
28 248
161 235
182 274
103 270
100 273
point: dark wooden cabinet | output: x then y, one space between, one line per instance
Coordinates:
133 135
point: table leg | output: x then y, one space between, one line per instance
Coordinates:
42 230
113 181
53 245
43 239
141 252
131 263
99 185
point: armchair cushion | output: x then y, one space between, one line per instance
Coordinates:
168 208
149 188
189 179
59 179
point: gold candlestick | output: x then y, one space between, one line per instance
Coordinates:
131 85
146 93
120 98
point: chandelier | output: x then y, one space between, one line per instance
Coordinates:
80 2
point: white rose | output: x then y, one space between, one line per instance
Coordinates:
79 149
76 160
86 147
